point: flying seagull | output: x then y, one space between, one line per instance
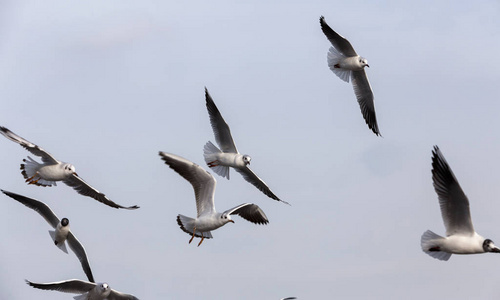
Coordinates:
346 63
208 218
460 235
52 170
220 161
61 233
88 290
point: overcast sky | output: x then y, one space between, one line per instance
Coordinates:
105 85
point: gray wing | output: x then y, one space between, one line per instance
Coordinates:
251 177
37 206
364 95
115 295
46 156
339 42
74 286
221 129
203 182
83 188
250 212
79 251
452 200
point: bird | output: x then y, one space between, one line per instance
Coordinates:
51 170
88 290
219 160
208 218
62 232
346 63
460 235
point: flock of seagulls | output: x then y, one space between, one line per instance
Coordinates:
461 238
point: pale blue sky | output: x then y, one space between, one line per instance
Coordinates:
105 85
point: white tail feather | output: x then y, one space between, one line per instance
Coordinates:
187 225
428 241
334 57
209 151
81 297
29 171
62 245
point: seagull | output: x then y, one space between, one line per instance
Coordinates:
88 290
345 63
52 170
61 233
220 161
460 235
208 218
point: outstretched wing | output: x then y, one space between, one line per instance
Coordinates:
339 42
83 188
251 177
37 206
452 200
79 251
250 212
115 295
74 286
364 95
36 150
203 182
221 129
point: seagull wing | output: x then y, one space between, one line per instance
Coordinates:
37 206
83 188
339 42
46 156
79 251
251 177
452 200
74 286
364 95
115 295
250 212
221 129
203 182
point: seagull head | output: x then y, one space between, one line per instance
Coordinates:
363 62
488 246
246 159
64 222
226 218
103 289
70 169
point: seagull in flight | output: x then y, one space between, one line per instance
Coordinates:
208 218
346 63
88 290
61 233
460 235
52 170
220 161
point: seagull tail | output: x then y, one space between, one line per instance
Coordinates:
430 245
187 225
62 245
334 57
29 171
209 153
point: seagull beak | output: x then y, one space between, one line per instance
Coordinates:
496 250
368 66
74 173
233 222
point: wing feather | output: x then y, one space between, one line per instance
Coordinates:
221 130
40 207
452 200
83 188
74 286
203 182
364 95
79 251
339 42
250 212
252 178
36 150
